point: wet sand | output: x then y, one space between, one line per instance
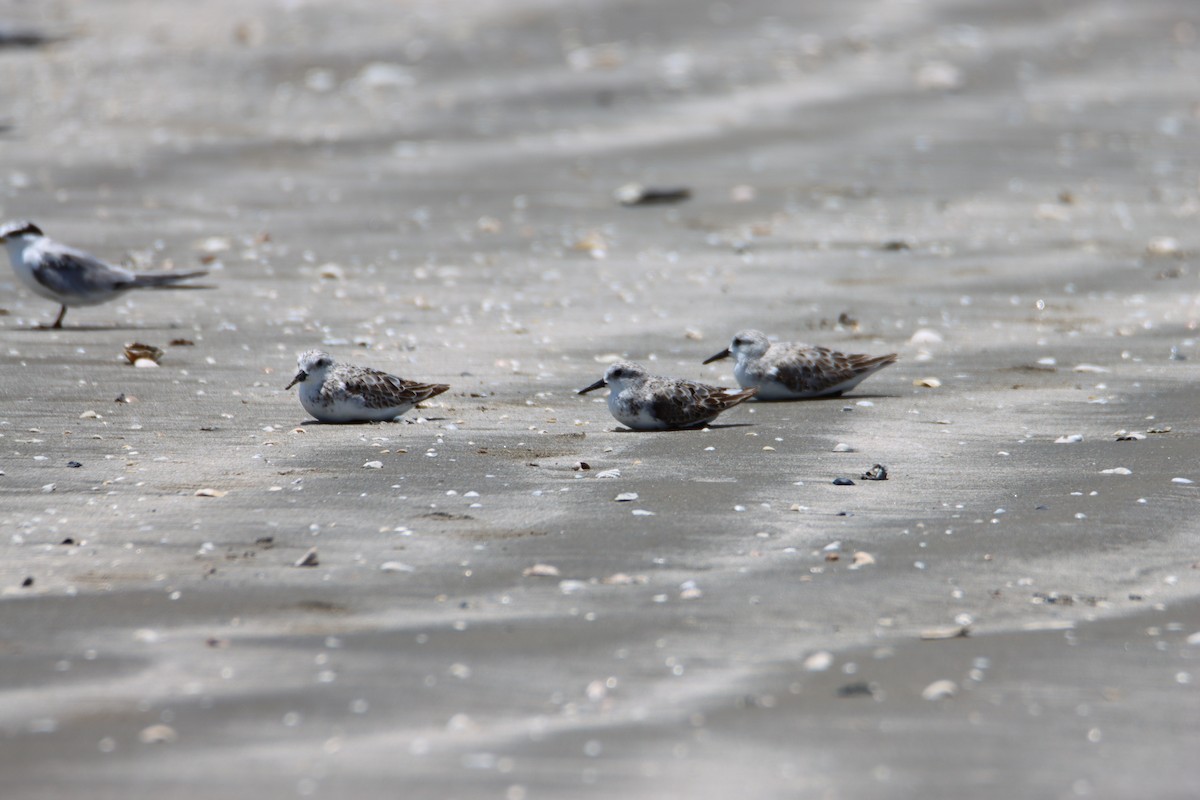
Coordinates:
1006 196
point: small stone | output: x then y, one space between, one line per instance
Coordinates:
625 497
396 566
925 336
145 363
819 661
209 492
940 690
1071 438
842 482
158 734
331 272
541 571
25 584
309 559
621 579
927 383
842 447
89 414
947 632
373 465
609 473
1163 246
1117 471
74 464
939 75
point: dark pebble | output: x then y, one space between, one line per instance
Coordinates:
67 540
25 584
74 464
844 514
856 689
842 482
1041 508
653 196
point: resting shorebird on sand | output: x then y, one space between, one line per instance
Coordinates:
792 371
334 392
646 402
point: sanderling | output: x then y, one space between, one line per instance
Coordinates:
72 277
792 371
648 402
334 392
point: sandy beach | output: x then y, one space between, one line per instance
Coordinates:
1004 194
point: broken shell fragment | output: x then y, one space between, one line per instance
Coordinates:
940 690
875 473
137 351
309 559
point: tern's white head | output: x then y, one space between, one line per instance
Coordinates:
19 230
311 365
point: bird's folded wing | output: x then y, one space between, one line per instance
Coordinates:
73 273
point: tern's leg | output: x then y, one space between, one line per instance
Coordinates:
61 314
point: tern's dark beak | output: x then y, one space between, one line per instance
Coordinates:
300 378
597 385
723 354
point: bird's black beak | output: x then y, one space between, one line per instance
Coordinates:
300 377
723 354
600 384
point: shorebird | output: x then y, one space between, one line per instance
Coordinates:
793 371
72 277
646 402
334 392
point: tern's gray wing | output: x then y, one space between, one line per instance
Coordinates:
74 273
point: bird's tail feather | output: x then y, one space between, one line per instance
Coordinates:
166 280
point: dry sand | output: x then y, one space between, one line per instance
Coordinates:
427 187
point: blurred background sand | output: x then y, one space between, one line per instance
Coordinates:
1006 194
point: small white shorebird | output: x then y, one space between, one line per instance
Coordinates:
792 371
72 277
334 392
646 402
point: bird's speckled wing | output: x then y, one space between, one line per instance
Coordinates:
814 369
381 390
71 272
684 403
